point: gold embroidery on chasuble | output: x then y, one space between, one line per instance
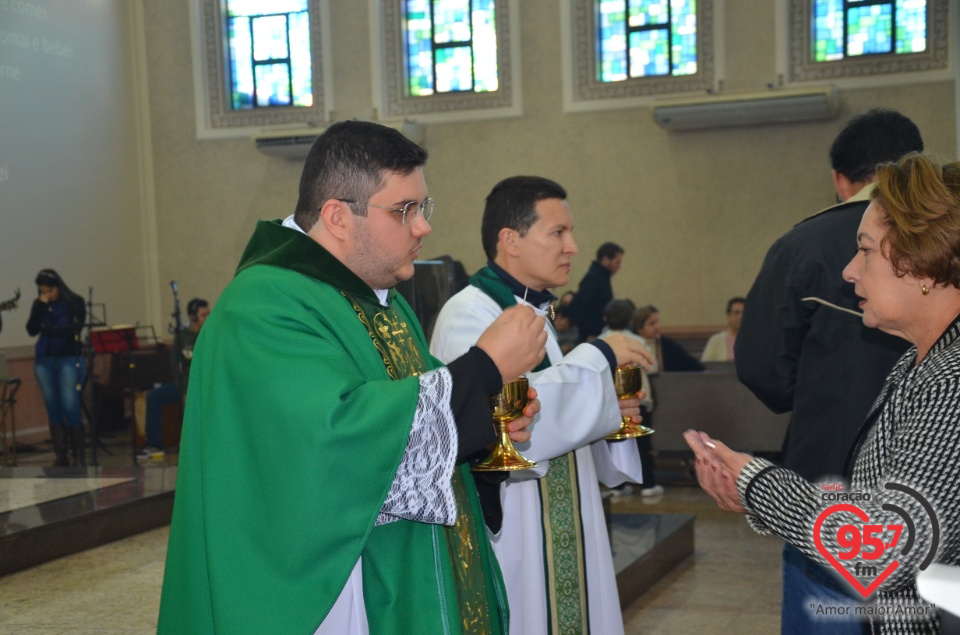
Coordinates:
402 358
392 338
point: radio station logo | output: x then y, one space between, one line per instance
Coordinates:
859 545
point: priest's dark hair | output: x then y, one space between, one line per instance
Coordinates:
511 203
878 136
349 161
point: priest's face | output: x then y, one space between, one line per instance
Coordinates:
546 249
384 248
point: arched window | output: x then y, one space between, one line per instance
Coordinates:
262 65
268 54
621 52
446 59
646 38
834 39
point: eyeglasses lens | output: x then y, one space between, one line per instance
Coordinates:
413 210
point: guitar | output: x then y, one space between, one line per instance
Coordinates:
11 303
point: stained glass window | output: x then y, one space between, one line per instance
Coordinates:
851 28
450 46
646 38
268 43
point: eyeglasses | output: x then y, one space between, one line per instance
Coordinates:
416 210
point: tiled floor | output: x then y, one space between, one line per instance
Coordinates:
730 585
20 493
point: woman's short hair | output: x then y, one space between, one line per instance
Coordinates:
920 201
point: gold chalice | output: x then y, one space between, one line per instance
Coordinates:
506 406
627 381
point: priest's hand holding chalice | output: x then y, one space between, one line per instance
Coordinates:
631 356
627 381
513 408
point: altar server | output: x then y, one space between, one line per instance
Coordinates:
553 546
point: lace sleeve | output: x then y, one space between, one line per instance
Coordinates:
422 489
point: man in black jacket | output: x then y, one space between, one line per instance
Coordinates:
596 291
822 364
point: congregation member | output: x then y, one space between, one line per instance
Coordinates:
822 365
553 545
596 291
198 310
906 279
719 347
324 484
670 355
58 316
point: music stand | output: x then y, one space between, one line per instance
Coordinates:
96 318
8 399
122 339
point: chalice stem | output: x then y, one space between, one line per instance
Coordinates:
504 456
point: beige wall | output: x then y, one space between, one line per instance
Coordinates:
71 187
695 211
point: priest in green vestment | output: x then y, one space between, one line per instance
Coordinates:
323 484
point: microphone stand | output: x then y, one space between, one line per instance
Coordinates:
177 325
92 322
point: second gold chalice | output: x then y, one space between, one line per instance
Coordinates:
627 381
506 406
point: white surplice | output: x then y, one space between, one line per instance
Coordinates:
578 408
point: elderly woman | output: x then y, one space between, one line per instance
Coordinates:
907 274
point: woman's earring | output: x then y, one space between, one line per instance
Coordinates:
924 290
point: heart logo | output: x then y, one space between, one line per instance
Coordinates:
862 515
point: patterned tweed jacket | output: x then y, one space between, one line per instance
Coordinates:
911 438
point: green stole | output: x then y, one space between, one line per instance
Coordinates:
560 511
475 582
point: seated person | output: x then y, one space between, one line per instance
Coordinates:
719 347
174 392
671 356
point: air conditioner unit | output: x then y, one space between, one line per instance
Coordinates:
747 109
289 144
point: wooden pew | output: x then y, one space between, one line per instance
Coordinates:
714 402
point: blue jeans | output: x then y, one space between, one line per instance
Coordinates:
804 583
61 379
165 393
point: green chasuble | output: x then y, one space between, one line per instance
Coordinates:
302 395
